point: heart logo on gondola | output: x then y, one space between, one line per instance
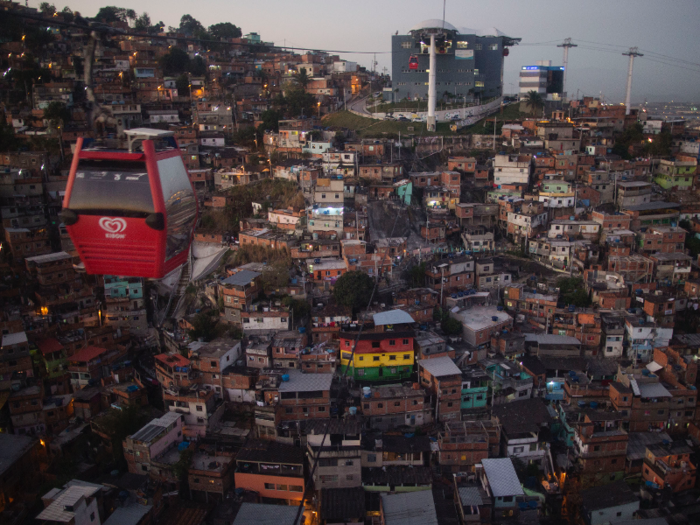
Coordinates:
112 225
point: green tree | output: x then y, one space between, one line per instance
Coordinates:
191 26
182 83
67 13
225 30
301 78
660 146
417 275
572 291
451 326
56 112
175 61
299 307
110 13
275 276
47 9
299 103
270 120
197 66
143 23
8 140
353 290
534 101
204 326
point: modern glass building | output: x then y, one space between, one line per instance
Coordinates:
469 63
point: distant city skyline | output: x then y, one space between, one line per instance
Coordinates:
664 31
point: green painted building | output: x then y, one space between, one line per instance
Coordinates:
676 174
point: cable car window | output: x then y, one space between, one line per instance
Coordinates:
180 204
108 187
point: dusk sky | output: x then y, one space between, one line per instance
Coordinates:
665 31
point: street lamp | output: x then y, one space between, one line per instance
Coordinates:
319 109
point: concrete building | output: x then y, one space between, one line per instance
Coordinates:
468 64
543 78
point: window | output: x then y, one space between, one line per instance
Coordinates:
517 450
397 403
407 356
296 488
270 486
392 342
281 487
375 358
392 358
380 405
199 408
371 458
507 499
407 45
596 448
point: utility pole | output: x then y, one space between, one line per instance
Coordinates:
633 52
494 133
566 45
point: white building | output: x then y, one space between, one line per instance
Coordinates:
76 504
267 320
512 169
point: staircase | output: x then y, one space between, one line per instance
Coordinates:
178 294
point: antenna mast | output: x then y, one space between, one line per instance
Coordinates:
566 45
633 52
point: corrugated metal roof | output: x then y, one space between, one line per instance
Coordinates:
392 317
635 387
14 339
300 382
440 366
653 390
241 278
638 442
411 508
13 447
56 511
469 496
130 515
265 514
502 477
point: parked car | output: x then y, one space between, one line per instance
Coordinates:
403 119
389 117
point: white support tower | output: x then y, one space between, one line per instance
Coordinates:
566 45
633 52
432 89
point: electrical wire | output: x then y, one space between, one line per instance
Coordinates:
300 509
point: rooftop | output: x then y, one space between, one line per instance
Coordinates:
440 366
87 354
481 317
241 278
14 339
392 317
156 427
12 448
502 478
301 382
266 514
63 500
410 508
607 496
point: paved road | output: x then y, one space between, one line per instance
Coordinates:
359 106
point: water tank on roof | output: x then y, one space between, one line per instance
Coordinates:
523 505
572 218
499 308
581 404
183 446
494 318
285 377
533 503
352 411
302 329
645 372
594 404
367 391
572 308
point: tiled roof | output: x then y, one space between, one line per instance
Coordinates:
88 354
49 346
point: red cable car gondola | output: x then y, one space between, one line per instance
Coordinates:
413 62
130 212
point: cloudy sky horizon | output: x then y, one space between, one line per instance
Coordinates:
664 31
